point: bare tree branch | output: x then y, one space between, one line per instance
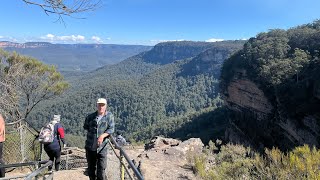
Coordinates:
65 7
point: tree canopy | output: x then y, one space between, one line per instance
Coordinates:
24 83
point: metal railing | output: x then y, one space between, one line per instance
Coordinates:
39 172
122 155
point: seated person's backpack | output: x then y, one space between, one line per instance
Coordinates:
46 134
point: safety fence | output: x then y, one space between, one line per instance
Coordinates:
21 144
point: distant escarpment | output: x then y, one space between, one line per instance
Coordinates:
210 61
272 88
167 52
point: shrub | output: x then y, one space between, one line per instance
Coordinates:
238 162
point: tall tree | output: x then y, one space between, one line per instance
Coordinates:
24 83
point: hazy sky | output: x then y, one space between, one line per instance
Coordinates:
151 21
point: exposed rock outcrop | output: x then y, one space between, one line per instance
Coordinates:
251 110
165 158
172 148
159 142
244 94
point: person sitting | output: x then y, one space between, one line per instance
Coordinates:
120 139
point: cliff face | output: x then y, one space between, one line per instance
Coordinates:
260 121
272 89
210 61
165 53
244 94
251 110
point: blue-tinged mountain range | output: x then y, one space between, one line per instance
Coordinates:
75 57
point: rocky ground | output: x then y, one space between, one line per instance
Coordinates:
161 159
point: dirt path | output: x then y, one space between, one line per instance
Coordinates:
74 174
155 165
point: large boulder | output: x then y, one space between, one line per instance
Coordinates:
192 145
171 148
159 142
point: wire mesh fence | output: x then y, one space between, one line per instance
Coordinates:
21 144
71 158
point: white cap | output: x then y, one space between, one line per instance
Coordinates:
102 101
56 117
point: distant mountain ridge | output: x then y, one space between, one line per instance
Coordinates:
8 44
75 57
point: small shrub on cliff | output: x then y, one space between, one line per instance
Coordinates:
305 163
301 163
273 165
200 165
238 162
232 162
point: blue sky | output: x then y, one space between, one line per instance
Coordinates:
149 22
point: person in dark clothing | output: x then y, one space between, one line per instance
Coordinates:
99 125
54 149
2 139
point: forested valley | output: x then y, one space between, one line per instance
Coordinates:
164 91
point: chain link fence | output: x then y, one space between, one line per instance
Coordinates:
20 144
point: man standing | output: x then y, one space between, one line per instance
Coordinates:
99 126
2 139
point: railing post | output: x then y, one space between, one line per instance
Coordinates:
22 141
126 157
67 159
121 166
37 166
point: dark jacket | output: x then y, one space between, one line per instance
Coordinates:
95 129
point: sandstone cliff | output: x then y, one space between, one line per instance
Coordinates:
261 120
271 87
